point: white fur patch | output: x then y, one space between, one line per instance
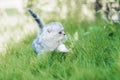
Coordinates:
62 48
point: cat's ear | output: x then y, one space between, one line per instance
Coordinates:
49 30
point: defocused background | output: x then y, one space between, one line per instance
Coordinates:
16 23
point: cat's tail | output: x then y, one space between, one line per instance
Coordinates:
37 19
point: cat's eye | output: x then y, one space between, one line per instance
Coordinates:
60 32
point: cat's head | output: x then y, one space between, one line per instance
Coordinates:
55 30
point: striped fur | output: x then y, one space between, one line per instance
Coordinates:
37 18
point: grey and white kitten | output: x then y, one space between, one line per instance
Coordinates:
49 37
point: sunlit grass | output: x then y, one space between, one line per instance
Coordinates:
13 29
94 56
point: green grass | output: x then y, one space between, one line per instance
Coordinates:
94 56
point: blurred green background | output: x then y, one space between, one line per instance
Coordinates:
93 31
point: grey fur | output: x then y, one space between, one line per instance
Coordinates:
37 18
50 38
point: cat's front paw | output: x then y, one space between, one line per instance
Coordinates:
62 48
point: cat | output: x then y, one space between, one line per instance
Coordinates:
49 37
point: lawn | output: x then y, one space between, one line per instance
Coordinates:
95 55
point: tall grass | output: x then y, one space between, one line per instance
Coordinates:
94 56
